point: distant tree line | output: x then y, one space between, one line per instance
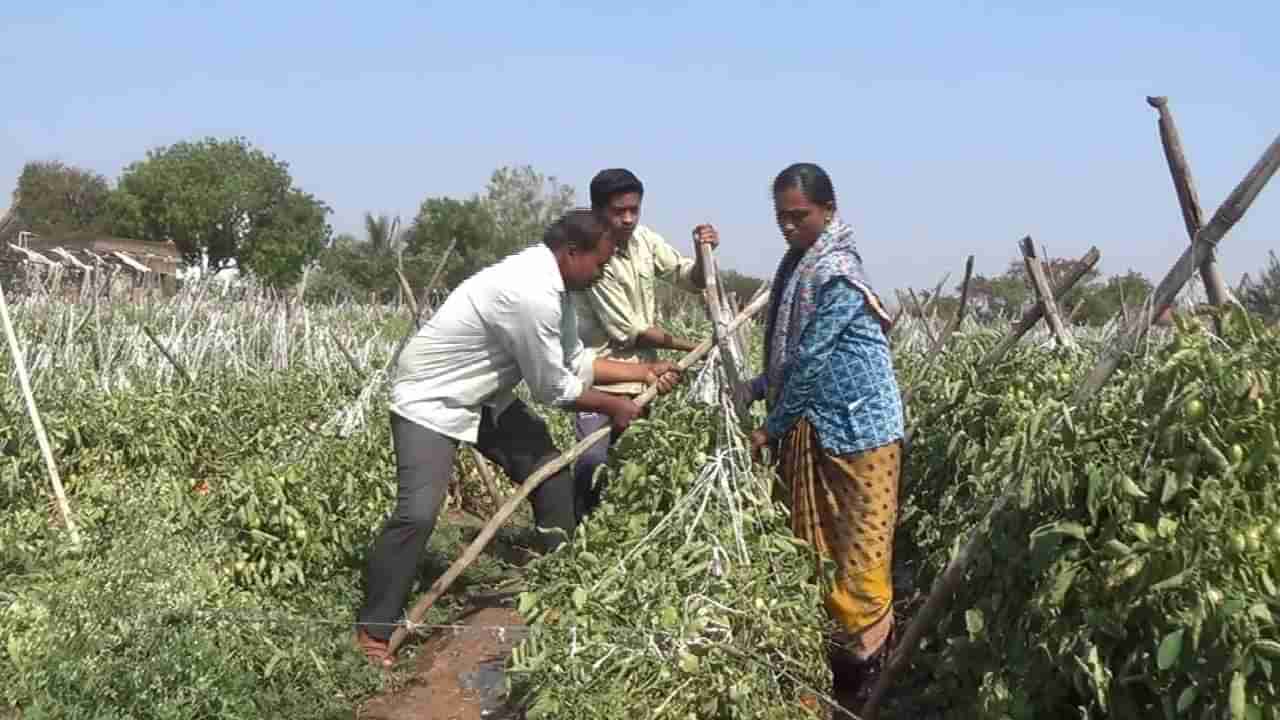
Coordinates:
1093 301
225 203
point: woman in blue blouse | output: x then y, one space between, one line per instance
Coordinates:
835 419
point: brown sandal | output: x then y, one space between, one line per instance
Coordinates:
374 650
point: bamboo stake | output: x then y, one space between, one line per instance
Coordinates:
1206 240
924 321
730 353
407 294
1189 200
435 279
935 347
1044 295
346 354
486 474
954 324
426 296
1033 314
478 545
168 355
937 292
64 506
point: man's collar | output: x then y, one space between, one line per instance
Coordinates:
557 280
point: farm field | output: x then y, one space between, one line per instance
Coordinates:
225 518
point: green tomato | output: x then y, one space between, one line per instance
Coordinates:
1254 538
1194 409
1236 454
1238 543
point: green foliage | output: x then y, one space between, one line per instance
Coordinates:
54 198
1103 302
440 221
1135 571
226 201
1262 296
516 209
225 523
1090 302
156 618
685 594
523 203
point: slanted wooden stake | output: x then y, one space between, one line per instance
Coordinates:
1033 314
24 383
1214 286
1206 240
434 281
486 475
1044 296
920 312
168 355
415 307
482 540
954 324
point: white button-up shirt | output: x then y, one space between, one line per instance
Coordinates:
512 321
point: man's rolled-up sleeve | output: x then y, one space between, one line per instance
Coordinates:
670 265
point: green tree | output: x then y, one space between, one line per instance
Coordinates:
1007 294
1103 302
522 204
442 220
1263 295
378 230
53 198
224 202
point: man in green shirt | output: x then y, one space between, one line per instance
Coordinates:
617 316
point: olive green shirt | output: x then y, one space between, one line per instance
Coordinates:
622 304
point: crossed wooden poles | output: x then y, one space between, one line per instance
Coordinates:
1198 255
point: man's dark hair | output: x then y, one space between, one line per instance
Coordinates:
811 180
614 181
578 229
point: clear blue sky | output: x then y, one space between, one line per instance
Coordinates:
947 131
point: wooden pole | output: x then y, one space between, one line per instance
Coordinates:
954 324
435 280
1044 295
177 366
730 353
346 354
937 293
478 545
407 294
417 308
486 475
20 365
924 321
1188 199
1033 314
1206 240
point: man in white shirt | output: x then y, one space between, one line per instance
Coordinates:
455 381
